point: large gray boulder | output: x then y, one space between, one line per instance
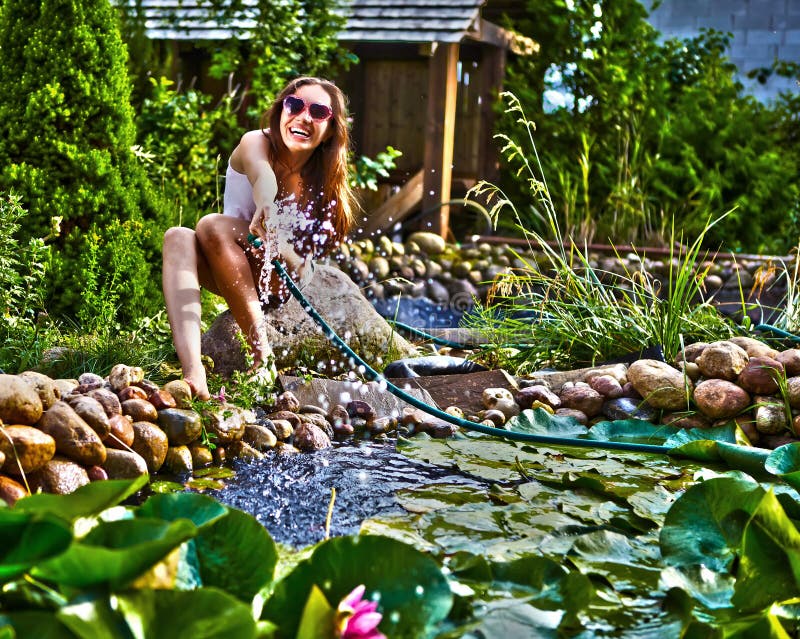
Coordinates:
296 338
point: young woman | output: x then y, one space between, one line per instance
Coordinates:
286 196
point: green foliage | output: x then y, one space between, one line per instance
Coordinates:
585 314
366 171
184 565
22 284
181 140
66 132
642 139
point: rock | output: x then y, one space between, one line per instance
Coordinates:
747 423
120 377
310 437
618 371
45 387
686 420
283 428
319 421
201 455
500 399
90 380
606 385
140 410
761 375
151 443
226 424
92 412
359 408
722 360
65 386
574 413
161 400
179 460
770 416
427 242
790 358
19 401
661 385
132 392
124 464
338 415
243 451
259 437
180 391
11 490
286 415
108 400
530 394
754 347
121 432
627 408
74 438
96 473
182 426
59 476
33 448
583 398
287 401
340 302
380 426
719 398
496 417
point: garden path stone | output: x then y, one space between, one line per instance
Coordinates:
296 338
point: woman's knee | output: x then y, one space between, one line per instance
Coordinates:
178 238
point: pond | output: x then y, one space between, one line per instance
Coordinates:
290 494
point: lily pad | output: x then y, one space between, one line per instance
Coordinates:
199 509
88 500
205 613
706 523
29 538
633 430
115 552
540 422
412 593
784 462
237 554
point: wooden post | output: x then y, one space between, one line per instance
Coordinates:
439 134
492 72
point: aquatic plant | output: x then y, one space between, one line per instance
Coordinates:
561 310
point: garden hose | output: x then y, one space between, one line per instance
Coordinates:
777 331
374 375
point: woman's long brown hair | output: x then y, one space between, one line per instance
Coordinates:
326 172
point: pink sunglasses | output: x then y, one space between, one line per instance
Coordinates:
318 112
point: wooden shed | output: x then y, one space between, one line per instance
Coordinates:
429 76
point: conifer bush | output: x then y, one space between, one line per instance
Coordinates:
66 138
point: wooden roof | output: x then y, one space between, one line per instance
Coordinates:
367 20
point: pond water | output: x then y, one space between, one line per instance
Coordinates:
290 494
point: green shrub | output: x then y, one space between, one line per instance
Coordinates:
180 135
66 138
642 139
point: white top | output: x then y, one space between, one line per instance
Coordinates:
238 198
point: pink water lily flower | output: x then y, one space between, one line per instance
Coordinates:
356 618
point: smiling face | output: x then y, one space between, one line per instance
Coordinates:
300 133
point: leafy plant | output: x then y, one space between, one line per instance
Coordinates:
636 140
66 132
184 563
365 171
561 310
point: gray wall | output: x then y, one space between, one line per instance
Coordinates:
763 30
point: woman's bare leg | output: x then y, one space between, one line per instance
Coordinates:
184 270
223 241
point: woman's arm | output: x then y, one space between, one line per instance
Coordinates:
250 158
